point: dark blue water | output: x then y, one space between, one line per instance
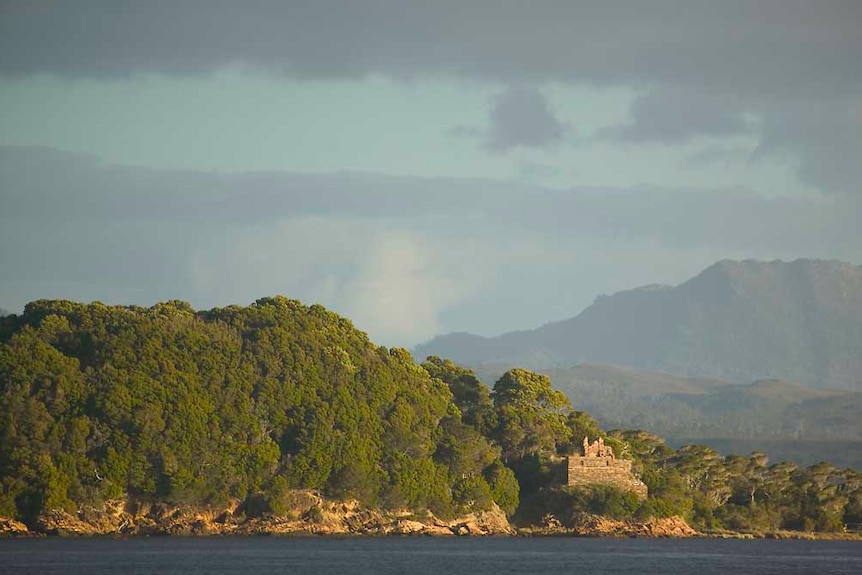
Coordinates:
417 556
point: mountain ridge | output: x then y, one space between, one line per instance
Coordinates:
735 320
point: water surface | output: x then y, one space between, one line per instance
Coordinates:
417 556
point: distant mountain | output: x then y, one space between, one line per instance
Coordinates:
738 321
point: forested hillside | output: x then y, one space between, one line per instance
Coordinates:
165 404
740 321
102 401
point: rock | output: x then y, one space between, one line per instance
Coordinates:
669 527
411 527
491 522
309 513
11 528
586 524
59 522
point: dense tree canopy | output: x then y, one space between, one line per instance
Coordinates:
469 394
102 401
532 415
245 403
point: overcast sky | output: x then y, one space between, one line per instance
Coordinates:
421 167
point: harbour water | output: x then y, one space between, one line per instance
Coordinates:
417 556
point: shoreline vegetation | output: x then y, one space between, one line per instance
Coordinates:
280 418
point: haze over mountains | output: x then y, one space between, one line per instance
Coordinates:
739 321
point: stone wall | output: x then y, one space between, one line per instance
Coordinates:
590 470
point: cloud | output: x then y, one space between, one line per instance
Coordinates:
824 136
308 257
820 137
677 114
392 283
398 293
536 172
521 116
772 45
705 68
717 154
54 189
404 257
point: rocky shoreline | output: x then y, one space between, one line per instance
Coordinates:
588 525
309 515
313 515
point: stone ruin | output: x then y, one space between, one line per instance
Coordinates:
599 465
597 448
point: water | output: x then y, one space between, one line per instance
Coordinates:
418 556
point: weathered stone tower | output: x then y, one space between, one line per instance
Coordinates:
599 465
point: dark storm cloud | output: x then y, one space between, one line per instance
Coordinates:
521 116
702 67
676 114
772 45
826 136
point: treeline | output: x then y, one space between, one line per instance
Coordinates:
245 403
744 493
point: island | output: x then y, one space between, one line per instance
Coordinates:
284 418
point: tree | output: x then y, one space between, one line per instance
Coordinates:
532 415
197 408
581 424
470 395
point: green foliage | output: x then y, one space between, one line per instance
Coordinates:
472 492
742 493
532 416
785 419
583 425
505 489
606 500
535 472
568 504
240 403
469 395
247 403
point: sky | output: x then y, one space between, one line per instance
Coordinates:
420 167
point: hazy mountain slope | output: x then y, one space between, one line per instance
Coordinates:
847 454
739 321
674 406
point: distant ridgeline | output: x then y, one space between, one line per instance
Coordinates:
244 405
738 321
